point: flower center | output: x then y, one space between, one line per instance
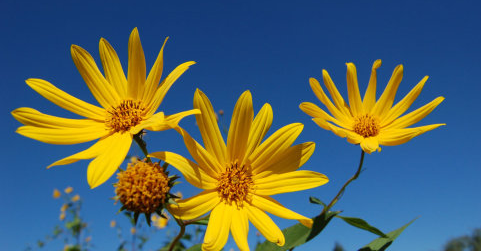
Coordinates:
366 125
125 116
235 184
143 187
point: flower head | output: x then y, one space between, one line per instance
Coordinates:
368 122
128 105
75 198
143 187
239 177
159 222
56 194
68 190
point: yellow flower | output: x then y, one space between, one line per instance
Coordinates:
133 230
76 198
62 216
88 239
128 105
56 194
64 208
368 122
238 178
159 222
113 223
68 190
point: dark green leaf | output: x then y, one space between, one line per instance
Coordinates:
381 243
315 200
299 234
196 247
362 224
148 219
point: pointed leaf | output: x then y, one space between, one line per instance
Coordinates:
382 243
315 200
362 224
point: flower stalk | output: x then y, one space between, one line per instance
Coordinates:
341 192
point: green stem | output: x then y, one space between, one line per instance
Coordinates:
188 222
181 232
341 192
142 145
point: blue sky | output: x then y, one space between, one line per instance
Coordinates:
270 48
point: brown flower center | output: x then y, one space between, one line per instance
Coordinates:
366 125
125 116
143 187
235 184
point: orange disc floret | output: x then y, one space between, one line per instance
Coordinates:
143 187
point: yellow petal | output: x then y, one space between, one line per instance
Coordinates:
155 120
353 93
370 95
165 86
170 121
195 206
240 126
270 150
64 100
98 85
291 160
217 230
112 68
370 144
396 137
271 206
341 105
289 182
317 89
32 117
414 116
191 171
136 72
260 126
90 153
208 127
154 76
205 160
240 228
316 112
63 135
103 166
404 104
265 225
384 104
351 136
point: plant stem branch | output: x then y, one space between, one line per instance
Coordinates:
181 232
142 145
341 192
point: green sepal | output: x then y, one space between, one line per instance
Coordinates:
148 219
382 243
315 200
362 224
202 222
172 201
136 217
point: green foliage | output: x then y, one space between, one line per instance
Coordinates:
382 243
465 243
362 224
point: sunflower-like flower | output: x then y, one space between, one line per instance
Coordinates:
238 178
128 105
368 122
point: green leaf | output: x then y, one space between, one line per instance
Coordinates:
362 224
196 247
315 200
299 234
382 243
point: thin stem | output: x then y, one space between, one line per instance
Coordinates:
341 192
142 145
181 232
188 222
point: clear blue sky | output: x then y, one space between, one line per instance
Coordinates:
270 48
